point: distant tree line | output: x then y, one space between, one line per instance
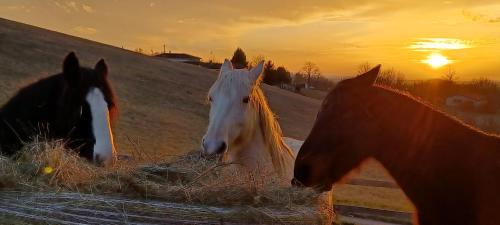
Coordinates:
309 77
276 75
436 91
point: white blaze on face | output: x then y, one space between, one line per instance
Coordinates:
104 149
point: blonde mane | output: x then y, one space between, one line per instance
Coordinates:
271 132
281 156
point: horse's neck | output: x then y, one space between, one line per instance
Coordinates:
425 146
423 131
411 127
254 155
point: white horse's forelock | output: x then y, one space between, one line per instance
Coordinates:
104 149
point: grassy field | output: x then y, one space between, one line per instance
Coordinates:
315 94
162 104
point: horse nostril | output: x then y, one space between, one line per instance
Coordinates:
222 148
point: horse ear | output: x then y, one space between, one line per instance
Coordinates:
101 69
257 71
368 78
226 66
71 69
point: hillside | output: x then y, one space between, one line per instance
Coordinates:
163 106
162 103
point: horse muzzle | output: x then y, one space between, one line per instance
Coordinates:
296 183
213 147
105 159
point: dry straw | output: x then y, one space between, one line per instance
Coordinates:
190 179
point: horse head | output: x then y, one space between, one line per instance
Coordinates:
340 138
232 113
86 109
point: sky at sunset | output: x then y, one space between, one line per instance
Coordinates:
421 38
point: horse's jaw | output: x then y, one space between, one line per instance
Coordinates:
249 151
252 154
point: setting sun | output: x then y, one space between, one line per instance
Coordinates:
436 60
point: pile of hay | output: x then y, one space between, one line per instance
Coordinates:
48 167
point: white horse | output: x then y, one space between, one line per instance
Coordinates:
245 130
243 127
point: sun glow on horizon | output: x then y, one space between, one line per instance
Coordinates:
437 60
337 36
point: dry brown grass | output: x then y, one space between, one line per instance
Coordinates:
191 179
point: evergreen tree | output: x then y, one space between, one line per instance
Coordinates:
239 59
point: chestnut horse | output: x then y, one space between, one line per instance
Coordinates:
449 170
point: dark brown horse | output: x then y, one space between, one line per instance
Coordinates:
76 105
449 170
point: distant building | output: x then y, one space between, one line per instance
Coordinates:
464 100
180 57
215 66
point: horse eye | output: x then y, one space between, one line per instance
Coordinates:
246 99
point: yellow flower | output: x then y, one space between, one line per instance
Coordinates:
48 170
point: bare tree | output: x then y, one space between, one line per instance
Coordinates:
484 86
450 74
211 58
255 60
310 70
392 78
